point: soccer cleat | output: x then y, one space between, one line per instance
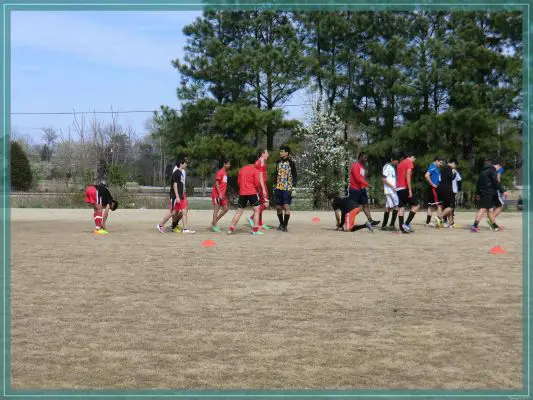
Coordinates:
215 229
250 221
409 228
285 229
257 233
176 229
474 229
374 223
101 231
369 226
230 232
438 222
160 229
406 228
430 225
393 228
188 231
386 228
265 227
280 228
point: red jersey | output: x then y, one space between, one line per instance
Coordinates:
222 180
357 176
401 174
261 166
249 180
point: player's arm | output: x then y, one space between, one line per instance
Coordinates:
176 192
263 187
408 180
338 218
217 186
428 179
386 182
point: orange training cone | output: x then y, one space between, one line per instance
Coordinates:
497 250
315 219
208 243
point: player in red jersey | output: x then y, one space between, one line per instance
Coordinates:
261 166
250 185
218 195
100 199
405 191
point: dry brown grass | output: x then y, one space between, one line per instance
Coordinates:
312 308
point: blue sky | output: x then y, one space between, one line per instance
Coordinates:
95 60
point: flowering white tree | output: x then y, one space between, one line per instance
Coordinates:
324 157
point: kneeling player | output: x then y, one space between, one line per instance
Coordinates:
99 197
345 212
250 179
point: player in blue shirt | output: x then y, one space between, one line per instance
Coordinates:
433 178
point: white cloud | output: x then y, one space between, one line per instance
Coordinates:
123 46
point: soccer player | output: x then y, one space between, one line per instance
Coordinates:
250 180
218 195
261 165
178 216
286 179
178 200
486 188
446 193
358 185
344 207
456 187
389 187
432 176
499 198
100 199
404 190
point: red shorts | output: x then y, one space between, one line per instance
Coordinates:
182 205
91 195
221 202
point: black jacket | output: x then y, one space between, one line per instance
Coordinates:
487 182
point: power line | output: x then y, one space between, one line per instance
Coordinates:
114 112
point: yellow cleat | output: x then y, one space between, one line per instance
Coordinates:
101 232
176 229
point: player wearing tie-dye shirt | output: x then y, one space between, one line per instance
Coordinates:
286 178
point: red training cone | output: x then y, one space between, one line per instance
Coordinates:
315 219
497 250
208 243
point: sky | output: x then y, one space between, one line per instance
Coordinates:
69 61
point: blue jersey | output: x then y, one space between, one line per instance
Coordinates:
500 171
434 174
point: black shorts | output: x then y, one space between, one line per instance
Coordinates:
359 196
282 197
447 198
433 197
486 200
253 199
498 200
404 199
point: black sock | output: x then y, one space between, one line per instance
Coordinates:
174 224
393 219
476 223
280 217
286 220
410 218
428 219
444 219
400 219
357 227
385 218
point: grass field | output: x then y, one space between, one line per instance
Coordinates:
311 308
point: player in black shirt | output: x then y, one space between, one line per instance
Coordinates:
342 207
445 191
101 200
486 188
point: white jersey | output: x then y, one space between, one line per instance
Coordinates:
389 173
457 178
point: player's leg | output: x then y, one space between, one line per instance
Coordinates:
216 209
243 200
388 206
224 209
402 201
185 216
170 213
413 202
256 204
287 201
278 197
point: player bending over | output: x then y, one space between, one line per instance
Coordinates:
218 195
345 212
99 197
250 179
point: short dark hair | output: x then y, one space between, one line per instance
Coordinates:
251 158
180 162
438 158
114 205
453 160
361 155
260 152
394 156
408 153
285 148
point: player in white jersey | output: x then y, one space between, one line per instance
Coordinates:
389 187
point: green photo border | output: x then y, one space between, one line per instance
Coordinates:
7 6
